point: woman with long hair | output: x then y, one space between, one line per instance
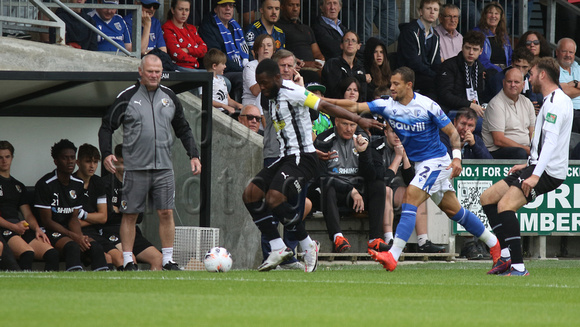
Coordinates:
536 43
376 62
497 50
184 45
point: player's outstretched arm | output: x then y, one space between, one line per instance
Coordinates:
356 107
338 111
455 141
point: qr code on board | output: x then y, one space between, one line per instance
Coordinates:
468 193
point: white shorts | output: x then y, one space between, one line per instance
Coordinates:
432 176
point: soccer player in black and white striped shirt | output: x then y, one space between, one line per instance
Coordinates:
281 183
545 170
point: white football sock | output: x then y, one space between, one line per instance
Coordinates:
488 238
422 239
337 235
167 255
277 244
127 257
398 247
505 253
519 267
305 243
388 236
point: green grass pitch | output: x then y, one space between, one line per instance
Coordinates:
425 294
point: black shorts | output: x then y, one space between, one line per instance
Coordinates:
28 236
288 175
111 236
546 183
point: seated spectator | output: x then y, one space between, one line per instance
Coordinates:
77 34
301 41
536 43
25 237
459 82
398 173
220 31
569 76
288 69
113 26
418 47
449 37
349 88
473 148
269 16
94 201
522 59
215 62
497 51
328 29
151 33
322 121
377 64
251 118
184 45
143 250
350 175
347 65
509 120
263 48
58 201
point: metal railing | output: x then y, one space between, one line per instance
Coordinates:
20 16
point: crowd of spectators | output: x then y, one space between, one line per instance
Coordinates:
470 75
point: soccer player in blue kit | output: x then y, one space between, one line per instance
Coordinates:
416 120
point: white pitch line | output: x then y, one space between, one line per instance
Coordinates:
101 276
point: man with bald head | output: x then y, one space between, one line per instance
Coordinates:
569 76
508 125
251 118
146 110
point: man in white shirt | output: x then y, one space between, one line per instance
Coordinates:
545 170
569 76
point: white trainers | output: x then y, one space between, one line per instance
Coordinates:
296 265
311 257
275 258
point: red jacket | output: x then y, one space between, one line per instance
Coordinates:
177 39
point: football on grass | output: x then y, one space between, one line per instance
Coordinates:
218 259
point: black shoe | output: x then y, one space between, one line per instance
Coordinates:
131 266
171 266
429 247
471 251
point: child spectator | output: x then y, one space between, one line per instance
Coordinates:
215 62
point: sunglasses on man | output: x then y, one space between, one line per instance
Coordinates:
252 117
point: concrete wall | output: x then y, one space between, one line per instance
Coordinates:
237 152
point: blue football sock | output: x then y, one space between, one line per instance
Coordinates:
469 221
407 222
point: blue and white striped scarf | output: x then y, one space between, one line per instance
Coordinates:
236 49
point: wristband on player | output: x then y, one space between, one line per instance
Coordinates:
83 214
456 154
